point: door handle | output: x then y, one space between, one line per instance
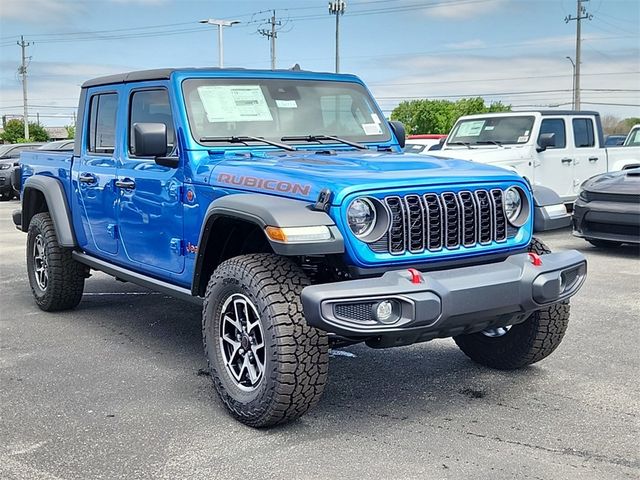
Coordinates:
567 160
593 159
125 184
87 178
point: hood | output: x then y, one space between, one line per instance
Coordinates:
304 174
485 154
622 182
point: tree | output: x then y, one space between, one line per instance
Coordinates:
71 131
14 132
614 126
438 116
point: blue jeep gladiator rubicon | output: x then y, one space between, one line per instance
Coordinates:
282 202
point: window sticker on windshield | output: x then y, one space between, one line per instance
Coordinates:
526 132
234 103
489 127
286 104
371 128
523 139
375 118
470 129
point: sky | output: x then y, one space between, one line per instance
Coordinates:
512 51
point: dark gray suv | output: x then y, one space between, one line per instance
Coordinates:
9 158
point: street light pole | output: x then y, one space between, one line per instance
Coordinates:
337 8
573 83
220 24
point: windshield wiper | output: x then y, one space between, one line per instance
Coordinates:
319 138
466 144
247 138
489 142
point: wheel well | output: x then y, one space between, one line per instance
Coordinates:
228 237
33 202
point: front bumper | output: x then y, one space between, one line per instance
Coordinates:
605 220
446 302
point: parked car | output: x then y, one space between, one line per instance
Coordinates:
9 157
281 201
423 143
554 149
607 211
58 145
633 138
614 140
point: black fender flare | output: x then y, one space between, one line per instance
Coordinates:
58 207
544 197
267 210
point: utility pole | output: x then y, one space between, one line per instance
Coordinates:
220 24
581 14
573 83
337 8
23 71
272 34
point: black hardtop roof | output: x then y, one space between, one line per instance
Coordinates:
165 74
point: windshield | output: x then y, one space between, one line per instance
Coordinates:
276 108
492 131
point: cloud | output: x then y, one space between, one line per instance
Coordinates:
464 9
465 45
26 9
526 81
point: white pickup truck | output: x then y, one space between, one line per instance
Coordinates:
554 149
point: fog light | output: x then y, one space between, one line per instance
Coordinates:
386 311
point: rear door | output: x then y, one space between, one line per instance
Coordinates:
589 158
150 215
94 173
554 166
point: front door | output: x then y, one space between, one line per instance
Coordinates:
554 166
589 158
150 215
94 174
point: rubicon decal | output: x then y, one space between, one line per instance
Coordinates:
264 184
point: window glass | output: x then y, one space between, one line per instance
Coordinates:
151 106
277 108
102 123
555 125
583 132
506 129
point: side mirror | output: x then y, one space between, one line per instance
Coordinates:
546 140
398 130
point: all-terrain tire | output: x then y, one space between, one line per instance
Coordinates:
295 354
65 276
603 243
525 343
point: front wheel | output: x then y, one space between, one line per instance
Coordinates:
268 366
516 346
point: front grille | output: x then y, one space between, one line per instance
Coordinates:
611 197
448 220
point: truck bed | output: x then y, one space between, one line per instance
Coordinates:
55 164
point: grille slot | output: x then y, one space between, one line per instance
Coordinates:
448 220
397 232
357 312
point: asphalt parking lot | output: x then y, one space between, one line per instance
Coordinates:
116 389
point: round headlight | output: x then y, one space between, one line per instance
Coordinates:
516 206
361 216
512 203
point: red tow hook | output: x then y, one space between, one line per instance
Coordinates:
416 276
535 259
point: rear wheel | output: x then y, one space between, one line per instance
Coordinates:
267 364
516 346
56 279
